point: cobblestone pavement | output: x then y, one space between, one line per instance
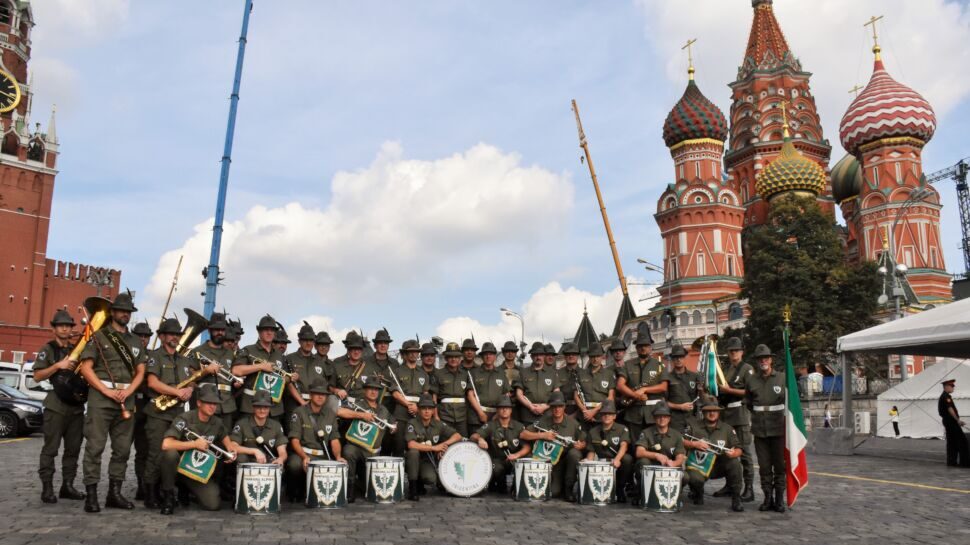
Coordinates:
863 499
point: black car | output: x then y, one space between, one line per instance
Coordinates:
19 414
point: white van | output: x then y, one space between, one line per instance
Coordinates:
22 378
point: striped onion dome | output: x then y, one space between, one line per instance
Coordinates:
846 178
694 117
790 171
885 109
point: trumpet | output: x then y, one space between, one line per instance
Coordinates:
568 441
277 368
222 373
213 449
380 422
717 449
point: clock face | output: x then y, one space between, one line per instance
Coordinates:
9 92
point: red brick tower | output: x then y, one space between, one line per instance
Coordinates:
769 75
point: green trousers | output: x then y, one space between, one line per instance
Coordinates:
61 428
100 424
206 493
155 429
418 465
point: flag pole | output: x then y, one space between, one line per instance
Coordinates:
796 438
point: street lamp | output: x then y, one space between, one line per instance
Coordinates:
898 276
99 278
671 318
522 344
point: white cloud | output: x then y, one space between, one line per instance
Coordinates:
924 46
552 313
398 222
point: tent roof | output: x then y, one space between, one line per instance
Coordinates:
926 385
942 331
585 334
625 314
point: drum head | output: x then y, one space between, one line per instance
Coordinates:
465 469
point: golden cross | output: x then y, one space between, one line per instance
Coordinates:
784 115
856 89
690 56
786 314
875 37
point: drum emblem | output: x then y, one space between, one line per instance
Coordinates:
535 484
601 486
259 490
666 485
327 486
385 481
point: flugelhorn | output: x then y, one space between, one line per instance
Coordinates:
222 373
215 450
380 422
568 441
277 367
717 449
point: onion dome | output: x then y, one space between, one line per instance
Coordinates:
694 117
885 109
846 178
790 171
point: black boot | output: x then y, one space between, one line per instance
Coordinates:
724 492
621 494
184 499
168 502
351 491
413 490
68 492
47 492
150 494
748 494
91 502
769 503
140 491
697 494
736 504
781 502
115 499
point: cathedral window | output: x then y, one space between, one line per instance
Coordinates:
735 312
665 321
680 172
700 265
934 262
5 15
10 144
697 169
899 173
684 319
697 317
875 175
730 265
710 316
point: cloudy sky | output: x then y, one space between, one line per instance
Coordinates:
415 165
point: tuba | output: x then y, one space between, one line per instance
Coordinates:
193 328
69 386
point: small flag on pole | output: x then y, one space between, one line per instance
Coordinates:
796 467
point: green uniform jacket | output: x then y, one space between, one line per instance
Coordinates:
313 429
351 377
451 385
246 431
245 356
736 376
602 440
310 368
569 427
491 385
414 383
567 378
213 430
226 357
432 434
120 370
48 355
669 444
171 369
639 373
766 396
597 384
721 435
538 385
501 439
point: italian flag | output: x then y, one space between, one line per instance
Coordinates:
796 468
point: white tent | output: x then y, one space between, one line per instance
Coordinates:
917 400
942 331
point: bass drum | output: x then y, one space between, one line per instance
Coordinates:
465 469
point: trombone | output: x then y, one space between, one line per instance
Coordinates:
213 449
380 422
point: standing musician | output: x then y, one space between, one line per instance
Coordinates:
234 332
211 433
322 342
617 352
373 410
257 438
957 451
468 351
218 349
307 365
261 356
490 385
642 384
597 384
536 385
281 341
501 438
139 439
736 413
429 357
430 437
113 364
659 445
314 435
563 429
509 351
63 419
385 365
568 376
765 391
351 370
410 384
682 391
611 441
450 385
716 438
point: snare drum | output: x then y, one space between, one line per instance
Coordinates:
326 484
660 488
597 482
532 479
465 469
258 489
386 480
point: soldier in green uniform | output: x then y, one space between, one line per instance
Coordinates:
597 384
307 365
568 376
536 385
314 435
113 364
63 419
139 438
643 382
501 438
202 421
427 438
450 386
356 454
563 429
382 345
765 391
468 351
682 391
261 356
736 413
281 341
721 435
165 369
217 349
617 352
551 356
351 370
385 365
659 445
256 437
429 357
509 351
234 332
489 386
322 342
410 383
611 441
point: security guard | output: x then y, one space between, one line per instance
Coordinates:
643 382
597 384
218 349
611 441
256 437
113 364
501 438
736 413
307 365
559 424
63 419
259 357
139 440
957 451
450 386
427 438
536 385
568 376
314 435
356 455
509 351
351 370
765 390
202 421
489 386
682 391
714 433
412 382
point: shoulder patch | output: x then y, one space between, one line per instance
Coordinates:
235 429
294 417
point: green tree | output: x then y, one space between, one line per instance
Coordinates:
797 258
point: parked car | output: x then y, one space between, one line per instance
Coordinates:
19 414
